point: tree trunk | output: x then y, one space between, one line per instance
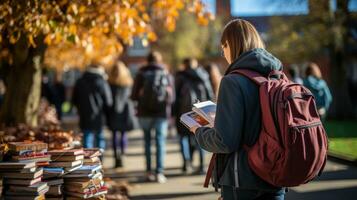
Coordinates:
320 12
23 82
342 106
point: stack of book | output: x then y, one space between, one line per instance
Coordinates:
69 160
55 191
28 152
62 162
22 181
87 181
92 156
52 176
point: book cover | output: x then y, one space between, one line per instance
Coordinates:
53 170
207 110
23 182
70 152
27 193
87 169
68 170
91 193
66 164
82 185
92 152
17 165
45 158
192 119
33 188
56 158
28 145
68 180
202 115
34 175
25 170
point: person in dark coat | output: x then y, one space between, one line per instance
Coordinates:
121 117
238 117
154 92
93 98
191 85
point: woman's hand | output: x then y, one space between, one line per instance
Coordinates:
193 129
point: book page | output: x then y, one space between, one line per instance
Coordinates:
192 119
207 110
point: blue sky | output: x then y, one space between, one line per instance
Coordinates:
270 7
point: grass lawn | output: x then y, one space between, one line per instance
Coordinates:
343 137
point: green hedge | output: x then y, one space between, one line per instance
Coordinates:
343 137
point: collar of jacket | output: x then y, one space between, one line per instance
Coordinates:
258 60
99 70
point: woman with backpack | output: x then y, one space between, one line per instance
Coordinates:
319 88
238 117
267 133
121 117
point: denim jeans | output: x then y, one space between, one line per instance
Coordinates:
185 148
230 193
188 146
93 139
160 125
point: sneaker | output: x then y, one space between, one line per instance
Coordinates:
150 177
187 167
160 178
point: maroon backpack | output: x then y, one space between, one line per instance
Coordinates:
292 145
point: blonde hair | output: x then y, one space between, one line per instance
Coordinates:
241 36
313 70
120 75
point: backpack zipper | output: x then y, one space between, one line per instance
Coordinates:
308 125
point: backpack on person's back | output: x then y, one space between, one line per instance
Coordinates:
154 97
292 145
193 89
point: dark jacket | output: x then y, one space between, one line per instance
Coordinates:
121 116
193 78
92 97
138 88
238 120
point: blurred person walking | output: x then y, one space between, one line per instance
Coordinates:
121 117
294 75
192 85
92 98
315 83
215 76
154 91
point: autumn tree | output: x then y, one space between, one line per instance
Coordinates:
188 40
322 31
72 33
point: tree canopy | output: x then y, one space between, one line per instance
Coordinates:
81 31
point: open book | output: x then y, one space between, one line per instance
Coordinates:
202 114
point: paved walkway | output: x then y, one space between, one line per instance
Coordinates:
337 182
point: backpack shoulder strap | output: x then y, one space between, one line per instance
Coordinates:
252 75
